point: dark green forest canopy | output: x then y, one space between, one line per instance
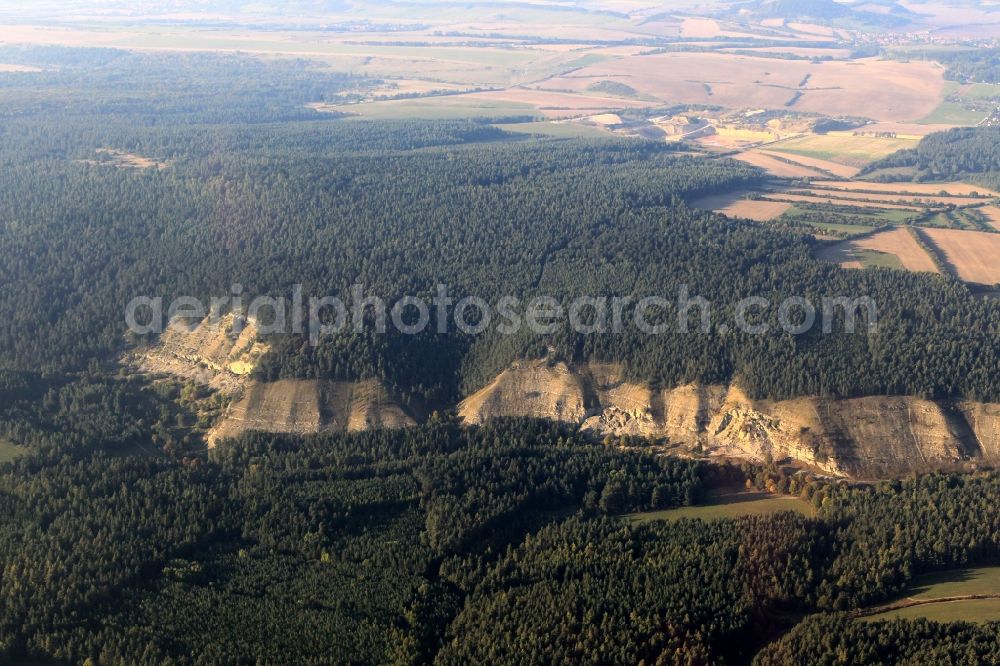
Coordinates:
442 544
963 153
836 638
400 207
439 543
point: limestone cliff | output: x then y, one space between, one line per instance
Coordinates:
310 406
867 437
222 355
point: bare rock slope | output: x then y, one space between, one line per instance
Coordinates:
223 354
863 437
310 406
219 353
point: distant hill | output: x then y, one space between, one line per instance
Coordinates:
824 11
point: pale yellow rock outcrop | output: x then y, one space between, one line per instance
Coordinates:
868 437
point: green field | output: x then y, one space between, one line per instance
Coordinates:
952 113
843 148
895 215
983 580
795 215
441 107
972 610
872 258
563 130
979 90
731 505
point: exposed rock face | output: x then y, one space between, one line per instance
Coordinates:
220 354
310 406
867 437
984 419
541 389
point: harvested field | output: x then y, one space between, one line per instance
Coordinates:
813 29
891 91
836 201
954 189
776 167
700 27
735 204
974 255
992 213
895 241
834 168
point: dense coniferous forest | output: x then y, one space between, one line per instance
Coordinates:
838 639
123 543
447 544
485 212
965 153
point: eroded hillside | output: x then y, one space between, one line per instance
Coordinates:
222 356
863 437
867 437
310 406
220 353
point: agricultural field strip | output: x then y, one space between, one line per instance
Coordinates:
973 255
893 240
826 168
910 602
941 588
852 203
899 196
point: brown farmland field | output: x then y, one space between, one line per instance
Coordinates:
735 204
955 189
840 170
883 90
895 241
776 167
826 199
993 214
975 255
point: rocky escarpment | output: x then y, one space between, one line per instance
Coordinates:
310 406
867 437
222 355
